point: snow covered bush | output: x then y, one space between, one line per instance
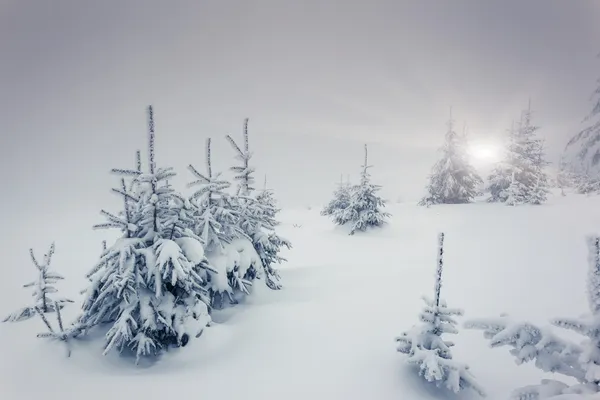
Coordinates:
43 286
521 178
453 179
428 350
148 286
551 353
364 205
257 217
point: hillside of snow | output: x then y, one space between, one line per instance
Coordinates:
330 332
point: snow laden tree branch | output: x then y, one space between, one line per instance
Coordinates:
551 353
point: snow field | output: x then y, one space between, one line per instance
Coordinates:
330 332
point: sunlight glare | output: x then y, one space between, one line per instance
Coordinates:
486 152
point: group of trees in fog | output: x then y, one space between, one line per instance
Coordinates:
519 178
178 258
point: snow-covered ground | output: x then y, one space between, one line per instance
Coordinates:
329 334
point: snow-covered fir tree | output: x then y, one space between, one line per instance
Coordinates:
427 349
43 288
453 179
581 157
218 225
365 206
521 178
148 286
550 352
266 198
217 219
256 216
340 200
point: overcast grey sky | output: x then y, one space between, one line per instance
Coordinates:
316 78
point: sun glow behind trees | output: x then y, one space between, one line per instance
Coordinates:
484 152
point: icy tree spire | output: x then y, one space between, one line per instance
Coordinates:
364 205
244 171
138 161
453 179
440 267
43 287
151 140
217 221
424 343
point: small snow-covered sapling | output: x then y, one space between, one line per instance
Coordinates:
42 288
428 350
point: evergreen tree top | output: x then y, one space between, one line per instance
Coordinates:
244 173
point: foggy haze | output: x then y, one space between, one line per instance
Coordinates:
316 78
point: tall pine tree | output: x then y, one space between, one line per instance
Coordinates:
521 178
581 157
453 179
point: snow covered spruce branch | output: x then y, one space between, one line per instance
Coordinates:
428 350
549 352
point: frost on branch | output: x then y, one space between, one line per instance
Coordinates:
43 287
148 287
551 353
428 350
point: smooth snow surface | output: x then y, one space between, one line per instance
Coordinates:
329 334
